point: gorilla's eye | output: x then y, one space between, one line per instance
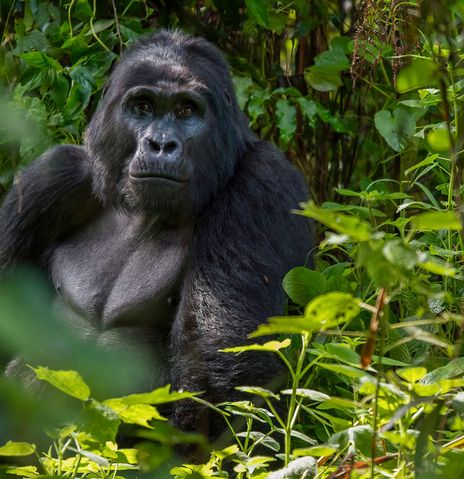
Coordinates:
185 110
142 108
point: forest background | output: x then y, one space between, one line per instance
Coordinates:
366 99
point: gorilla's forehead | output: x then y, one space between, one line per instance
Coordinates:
154 71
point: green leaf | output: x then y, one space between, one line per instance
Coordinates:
257 11
395 128
340 222
344 370
161 395
315 451
70 382
286 120
437 220
99 26
439 139
454 368
302 284
264 393
323 312
271 346
324 75
323 78
100 421
17 449
307 394
139 414
412 375
422 72
24 471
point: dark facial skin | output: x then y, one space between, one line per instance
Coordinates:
164 123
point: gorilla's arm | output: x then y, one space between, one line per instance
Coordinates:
49 199
246 242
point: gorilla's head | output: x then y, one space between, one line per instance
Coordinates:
168 132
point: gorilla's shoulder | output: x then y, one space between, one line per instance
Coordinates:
265 166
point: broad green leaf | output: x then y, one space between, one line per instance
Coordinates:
438 267
286 120
412 375
24 471
395 128
99 421
323 78
257 11
302 284
422 72
454 368
315 451
139 414
17 449
264 393
41 61
99 26
339 222
270 346
161 395
343 353
308 394
439 139
436 220
70 382
345 370
324 75
324 312
424 390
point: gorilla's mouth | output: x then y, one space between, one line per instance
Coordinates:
147 176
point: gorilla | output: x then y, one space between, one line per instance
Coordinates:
170 229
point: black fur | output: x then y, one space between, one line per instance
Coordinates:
219 246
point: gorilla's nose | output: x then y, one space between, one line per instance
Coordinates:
168 147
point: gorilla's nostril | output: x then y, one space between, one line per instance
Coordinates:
170 147
155 146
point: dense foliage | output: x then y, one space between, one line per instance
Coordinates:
366 98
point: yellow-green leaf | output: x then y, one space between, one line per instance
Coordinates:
17 449
270 346
70 382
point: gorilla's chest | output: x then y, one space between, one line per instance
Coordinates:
112 276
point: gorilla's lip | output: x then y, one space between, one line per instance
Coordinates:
147 176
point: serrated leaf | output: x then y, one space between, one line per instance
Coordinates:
139 414
286 120
17 449
70 382
302 284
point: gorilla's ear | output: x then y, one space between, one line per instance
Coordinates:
105 89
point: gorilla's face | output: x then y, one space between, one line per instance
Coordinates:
166 127
168 133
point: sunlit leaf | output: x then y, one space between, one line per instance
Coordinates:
70 382
422 72
270 346
17 449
